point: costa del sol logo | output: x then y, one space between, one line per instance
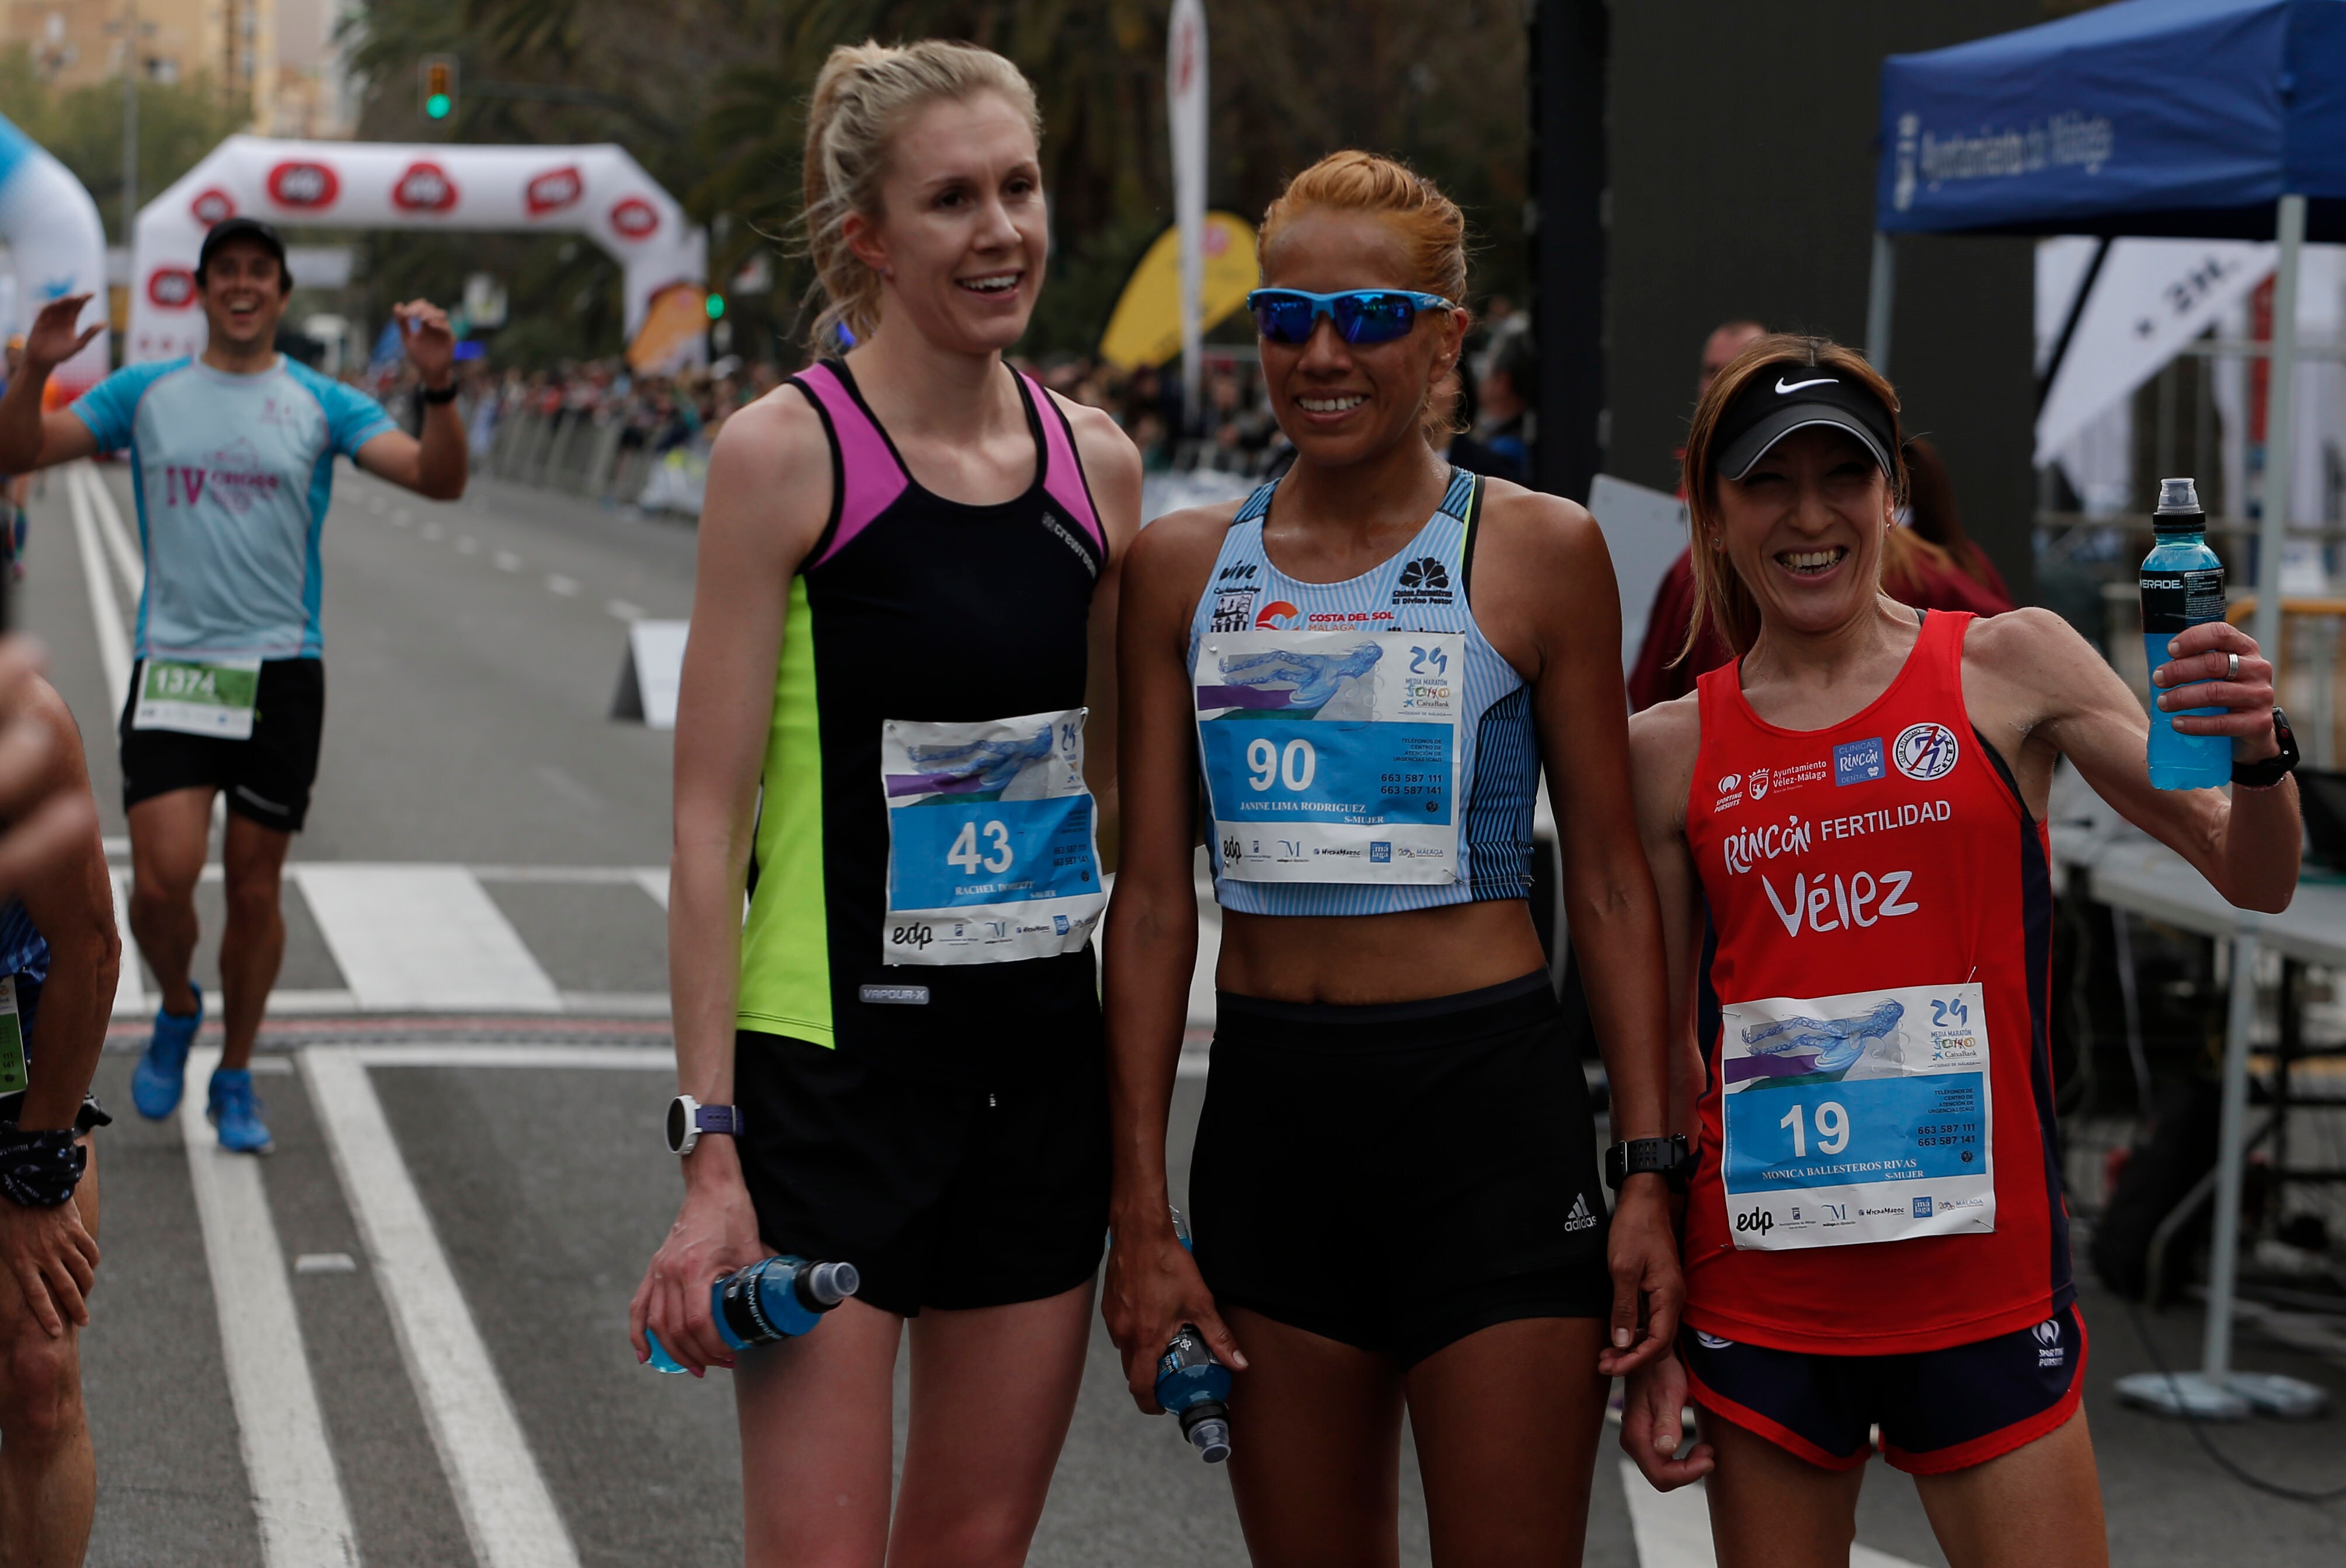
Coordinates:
1926 751
1279 616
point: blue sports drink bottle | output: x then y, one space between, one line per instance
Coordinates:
773 1298
1197 1387
2182 586
1192 1385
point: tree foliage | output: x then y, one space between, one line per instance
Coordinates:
178 123
709 95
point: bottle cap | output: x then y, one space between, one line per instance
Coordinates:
2178 508
829 1284
1212 1438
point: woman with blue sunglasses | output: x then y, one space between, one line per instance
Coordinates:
1394 1191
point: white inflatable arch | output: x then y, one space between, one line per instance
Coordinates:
56 246
595 191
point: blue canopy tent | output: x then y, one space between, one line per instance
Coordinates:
2197 119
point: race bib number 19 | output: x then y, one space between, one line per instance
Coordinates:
214 697
990 840
1857 1119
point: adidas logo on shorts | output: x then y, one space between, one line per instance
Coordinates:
1579 1218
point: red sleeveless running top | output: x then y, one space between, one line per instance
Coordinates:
1882 867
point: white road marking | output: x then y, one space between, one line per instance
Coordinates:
1673 1528
653 879
433 531
507 561
104 613
620 1058
129 990
468 545
1190 1064
325 1263
127 561
509 1515
555 583
622 610
297 1496
421 938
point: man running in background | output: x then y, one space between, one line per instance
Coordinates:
232 457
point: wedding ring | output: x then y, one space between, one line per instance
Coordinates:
2231 667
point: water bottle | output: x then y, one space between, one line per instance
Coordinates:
1192 1385
2182 586
773 1298
1197 1387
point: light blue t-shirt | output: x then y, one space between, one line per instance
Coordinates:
232 474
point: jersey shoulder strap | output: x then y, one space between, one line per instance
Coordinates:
1064 479
1258 505
866 478
1463 501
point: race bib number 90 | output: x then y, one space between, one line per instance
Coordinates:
213 697
990 855
1857 1119
1332 756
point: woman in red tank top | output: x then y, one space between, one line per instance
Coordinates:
1847 830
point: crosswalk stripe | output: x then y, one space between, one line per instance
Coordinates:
104 613
509 1515
129 990
297 1496
421 938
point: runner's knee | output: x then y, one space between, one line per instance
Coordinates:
40 1399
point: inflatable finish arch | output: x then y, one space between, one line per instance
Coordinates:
599 192
52 230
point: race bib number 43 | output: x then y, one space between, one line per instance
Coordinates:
214 697
1857 1119
1332 756
990 840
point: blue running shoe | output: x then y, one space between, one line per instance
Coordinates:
161 1076
235 1110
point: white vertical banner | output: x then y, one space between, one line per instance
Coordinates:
1185 102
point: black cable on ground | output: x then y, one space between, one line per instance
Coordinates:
2223 1463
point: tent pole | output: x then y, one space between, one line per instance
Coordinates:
2280 429
1878 292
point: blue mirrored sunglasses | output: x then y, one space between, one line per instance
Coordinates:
1362 315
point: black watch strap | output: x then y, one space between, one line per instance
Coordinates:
445 395
1669 1158
2273 769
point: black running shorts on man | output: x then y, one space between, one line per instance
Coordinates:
266 777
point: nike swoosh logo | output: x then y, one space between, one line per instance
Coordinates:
1820 382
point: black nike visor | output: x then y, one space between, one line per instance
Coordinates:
1783 398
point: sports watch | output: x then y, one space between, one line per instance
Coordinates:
688 1119
1670 1158
2273 769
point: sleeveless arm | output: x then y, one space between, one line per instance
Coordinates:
1112 466
2033 683
1664 742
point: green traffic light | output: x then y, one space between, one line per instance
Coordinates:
437 106
715 306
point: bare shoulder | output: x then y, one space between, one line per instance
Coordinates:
1107 452
776 437
2030 648
1531 526
1180 546
1667 736
769 494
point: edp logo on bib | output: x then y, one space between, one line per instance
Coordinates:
1926 751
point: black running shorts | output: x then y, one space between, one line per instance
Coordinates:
1939 1410
266 777
1397 1178
943 1195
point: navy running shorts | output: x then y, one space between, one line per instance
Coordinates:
266 776
1939 1410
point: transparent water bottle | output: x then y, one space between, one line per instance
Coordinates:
2182 586
773 1298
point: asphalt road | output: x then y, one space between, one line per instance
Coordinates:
472 652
